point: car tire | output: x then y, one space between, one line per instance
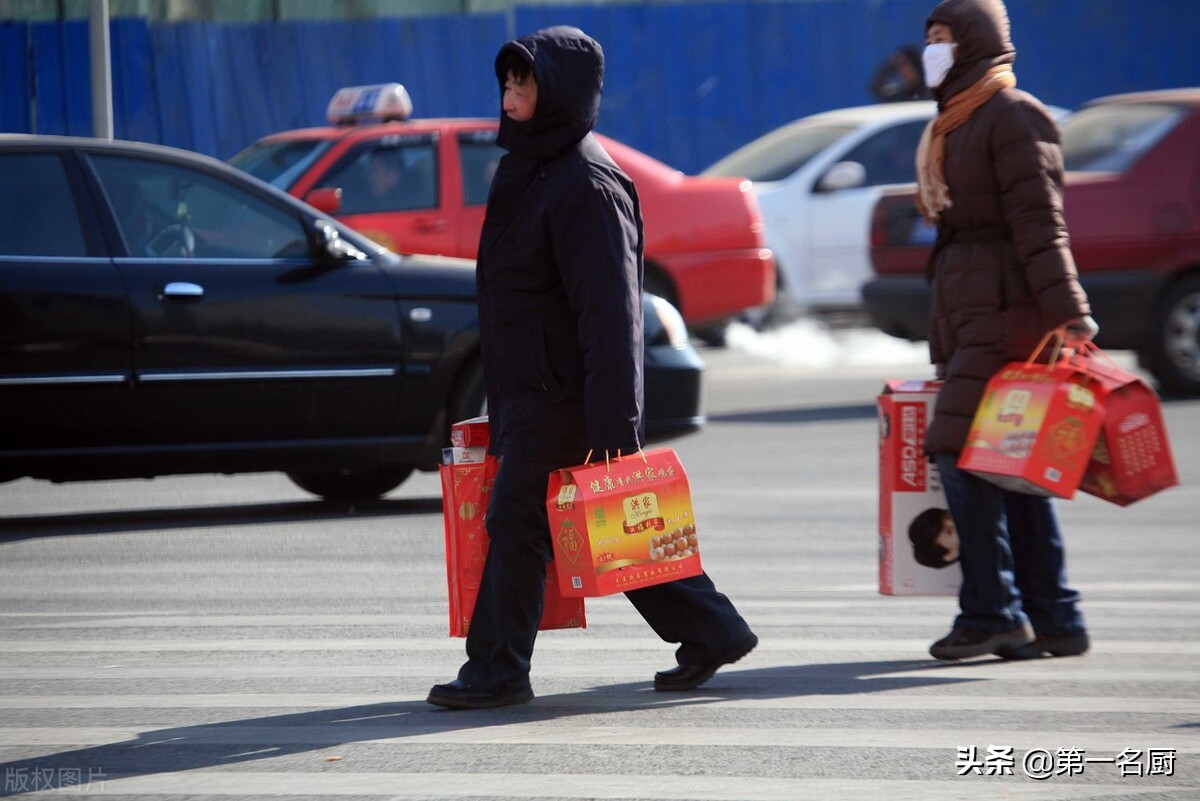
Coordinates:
774 314
1173 356
715 335
655 282
351 485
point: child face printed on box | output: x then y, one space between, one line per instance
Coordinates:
947 538
934 538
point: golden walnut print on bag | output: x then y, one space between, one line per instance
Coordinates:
678 544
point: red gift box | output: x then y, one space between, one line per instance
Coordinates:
623 524
1132 459
471 433
1035 429
465 490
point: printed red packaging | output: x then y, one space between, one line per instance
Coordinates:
622 525
1132 459
465 491
471 433
910 495
1035 429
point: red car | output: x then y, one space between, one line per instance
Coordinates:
419 186
1132 205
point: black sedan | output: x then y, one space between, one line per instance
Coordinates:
163 313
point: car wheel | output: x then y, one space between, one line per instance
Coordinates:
349 485
774 314
1174 353
714 335
654 282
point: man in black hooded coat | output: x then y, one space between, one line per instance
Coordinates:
559 278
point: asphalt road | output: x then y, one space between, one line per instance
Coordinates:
229 636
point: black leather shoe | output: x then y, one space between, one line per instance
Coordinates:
460 695
1074 644
689 677
963 643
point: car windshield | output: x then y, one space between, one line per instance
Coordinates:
780 153
1111 137
282 162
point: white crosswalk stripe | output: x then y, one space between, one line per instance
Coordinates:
564 786
148 704
247 643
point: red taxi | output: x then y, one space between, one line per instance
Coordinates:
420 185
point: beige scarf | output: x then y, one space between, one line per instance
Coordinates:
932 193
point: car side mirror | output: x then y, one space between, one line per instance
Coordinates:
843 175
327 199
328 246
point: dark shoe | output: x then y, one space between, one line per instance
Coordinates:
689 677
963 643
460 695
1073 644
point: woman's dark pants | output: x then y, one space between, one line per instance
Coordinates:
1013 561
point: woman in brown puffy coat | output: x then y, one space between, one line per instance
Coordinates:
989 174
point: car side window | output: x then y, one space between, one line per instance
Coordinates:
395 173
169 210
47 226
479 155
889 156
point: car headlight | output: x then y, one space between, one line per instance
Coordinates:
671 321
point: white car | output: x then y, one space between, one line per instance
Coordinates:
817 180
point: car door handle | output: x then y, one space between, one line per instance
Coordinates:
181 290
425 226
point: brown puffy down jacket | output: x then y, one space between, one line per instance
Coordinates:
1002 271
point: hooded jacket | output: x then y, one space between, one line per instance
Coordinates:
1001 270
559 271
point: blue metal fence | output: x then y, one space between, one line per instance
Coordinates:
686 82
14 78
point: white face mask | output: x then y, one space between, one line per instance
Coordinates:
937 60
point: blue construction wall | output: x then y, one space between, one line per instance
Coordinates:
686 82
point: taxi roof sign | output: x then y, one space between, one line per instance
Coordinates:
379 102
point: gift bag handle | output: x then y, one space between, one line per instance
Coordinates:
1059 337
608 462
1092 349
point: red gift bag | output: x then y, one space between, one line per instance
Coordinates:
1132 459
623 524
1036 427
467 475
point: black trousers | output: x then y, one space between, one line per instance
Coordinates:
690 612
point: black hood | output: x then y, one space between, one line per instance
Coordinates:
982 31
568 66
